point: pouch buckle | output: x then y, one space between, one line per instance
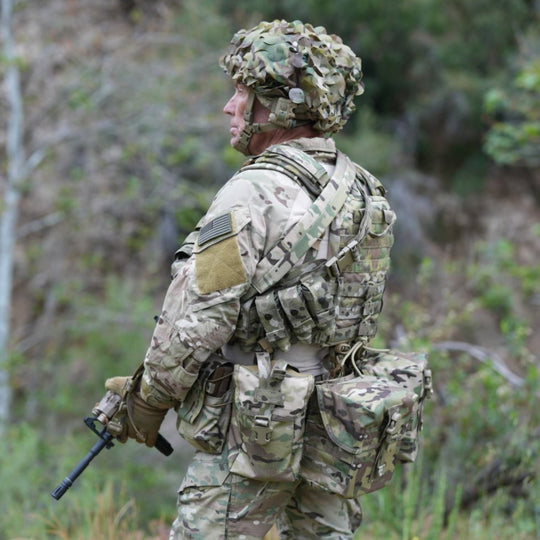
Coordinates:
428 384
261 432
384 462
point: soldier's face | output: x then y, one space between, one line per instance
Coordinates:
235 108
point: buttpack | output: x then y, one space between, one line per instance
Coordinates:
366 422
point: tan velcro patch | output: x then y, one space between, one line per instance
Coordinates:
219 266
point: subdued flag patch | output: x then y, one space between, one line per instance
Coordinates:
217 227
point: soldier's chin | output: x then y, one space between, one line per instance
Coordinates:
234 140
235 144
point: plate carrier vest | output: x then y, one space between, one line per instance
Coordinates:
325 302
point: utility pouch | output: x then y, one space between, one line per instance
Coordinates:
205 414
410 371
352 440
266 433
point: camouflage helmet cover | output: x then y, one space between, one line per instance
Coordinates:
314 70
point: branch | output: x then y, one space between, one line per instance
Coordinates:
37 225
483 355
33 162
497 474
8 217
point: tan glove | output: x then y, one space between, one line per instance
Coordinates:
135 419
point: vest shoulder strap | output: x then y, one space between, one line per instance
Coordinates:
373 185
290 249
294 163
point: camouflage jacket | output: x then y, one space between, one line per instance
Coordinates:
217 266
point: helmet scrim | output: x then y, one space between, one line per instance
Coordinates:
301 73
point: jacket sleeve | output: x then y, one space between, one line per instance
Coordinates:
201 307
200 312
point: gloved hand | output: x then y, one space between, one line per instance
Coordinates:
135 419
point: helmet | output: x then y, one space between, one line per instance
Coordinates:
301 73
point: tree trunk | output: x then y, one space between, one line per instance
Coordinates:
10 206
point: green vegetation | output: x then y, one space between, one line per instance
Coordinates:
514 139
427 66
130 95
479 453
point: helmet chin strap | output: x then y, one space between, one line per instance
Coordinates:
281 116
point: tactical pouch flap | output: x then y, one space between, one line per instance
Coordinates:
351 447
267 426
410 371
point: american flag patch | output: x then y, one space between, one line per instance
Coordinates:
217 227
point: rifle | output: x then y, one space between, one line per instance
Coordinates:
103 412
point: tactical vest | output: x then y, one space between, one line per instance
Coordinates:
332 301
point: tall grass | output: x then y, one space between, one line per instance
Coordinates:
414 507
110 517
480 448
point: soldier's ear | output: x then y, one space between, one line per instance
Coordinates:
260 112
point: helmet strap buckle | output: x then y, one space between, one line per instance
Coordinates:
282 113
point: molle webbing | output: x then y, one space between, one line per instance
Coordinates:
323 302
297 165
290 249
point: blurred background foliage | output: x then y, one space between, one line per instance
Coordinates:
125 100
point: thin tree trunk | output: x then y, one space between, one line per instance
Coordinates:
10 206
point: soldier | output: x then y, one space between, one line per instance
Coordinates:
285 271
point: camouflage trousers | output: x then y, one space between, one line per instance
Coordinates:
215 504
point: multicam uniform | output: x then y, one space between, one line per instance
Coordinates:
330 296
276 290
